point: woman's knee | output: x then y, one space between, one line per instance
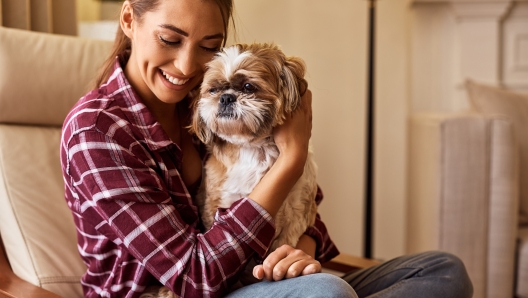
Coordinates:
318 285
454 269
332 286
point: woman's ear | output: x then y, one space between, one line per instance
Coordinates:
126 19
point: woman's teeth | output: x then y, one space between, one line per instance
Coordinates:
174 80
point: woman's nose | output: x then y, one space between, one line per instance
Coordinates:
187 61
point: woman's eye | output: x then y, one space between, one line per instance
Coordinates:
249 88
168 42
213 50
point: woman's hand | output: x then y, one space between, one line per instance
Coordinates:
288 262
293 136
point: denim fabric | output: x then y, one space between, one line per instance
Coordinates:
430 274
308 286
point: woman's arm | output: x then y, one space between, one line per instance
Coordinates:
292 139
126 208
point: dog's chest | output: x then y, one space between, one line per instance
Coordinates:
245 172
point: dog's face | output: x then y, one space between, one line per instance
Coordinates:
247 90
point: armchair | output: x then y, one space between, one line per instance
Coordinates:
41 77
467 188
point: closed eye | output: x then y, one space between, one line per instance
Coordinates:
168 42
213 50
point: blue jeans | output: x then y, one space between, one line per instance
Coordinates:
430 274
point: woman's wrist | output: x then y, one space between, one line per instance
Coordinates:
292 162
274 187
307 244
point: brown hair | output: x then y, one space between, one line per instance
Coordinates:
139 7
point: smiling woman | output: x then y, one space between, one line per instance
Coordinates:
132 168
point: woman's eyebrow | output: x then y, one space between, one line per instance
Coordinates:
181 32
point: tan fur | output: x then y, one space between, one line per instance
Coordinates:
280 83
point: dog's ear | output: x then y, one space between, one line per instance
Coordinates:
198 126
294 84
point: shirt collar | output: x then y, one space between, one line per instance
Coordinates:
153 134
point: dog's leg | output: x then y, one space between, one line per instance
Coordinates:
157 292
210 195
299 210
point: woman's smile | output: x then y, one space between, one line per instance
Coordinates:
173 82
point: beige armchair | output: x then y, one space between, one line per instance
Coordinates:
41 77
468 189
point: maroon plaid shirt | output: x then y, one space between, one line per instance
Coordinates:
136 223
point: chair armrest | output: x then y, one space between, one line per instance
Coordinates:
463 194
345 263
13 286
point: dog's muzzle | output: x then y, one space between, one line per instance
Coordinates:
226 105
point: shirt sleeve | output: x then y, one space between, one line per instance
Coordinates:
126 200
326 249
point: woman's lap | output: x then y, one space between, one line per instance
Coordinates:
430 274
314 285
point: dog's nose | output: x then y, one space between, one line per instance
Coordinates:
227 98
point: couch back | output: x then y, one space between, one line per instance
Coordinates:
41 77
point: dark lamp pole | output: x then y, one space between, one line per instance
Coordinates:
369 162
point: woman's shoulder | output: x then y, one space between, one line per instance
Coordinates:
86 110
98 110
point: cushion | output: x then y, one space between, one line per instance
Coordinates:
522 264
36 225
494 100
43 75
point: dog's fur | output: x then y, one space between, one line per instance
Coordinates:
259 86
264 85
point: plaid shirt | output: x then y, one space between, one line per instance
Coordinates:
137 224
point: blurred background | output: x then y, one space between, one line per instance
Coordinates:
425 50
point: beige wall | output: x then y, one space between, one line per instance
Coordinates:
392 94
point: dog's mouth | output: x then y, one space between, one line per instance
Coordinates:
227 103
226 111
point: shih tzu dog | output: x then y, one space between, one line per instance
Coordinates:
247 90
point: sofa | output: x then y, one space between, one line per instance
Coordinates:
468 188
41 77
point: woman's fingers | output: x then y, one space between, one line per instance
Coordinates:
258 272
286 262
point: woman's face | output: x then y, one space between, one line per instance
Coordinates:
170 47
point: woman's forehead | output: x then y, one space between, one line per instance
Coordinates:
201 17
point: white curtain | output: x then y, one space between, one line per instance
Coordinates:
51 16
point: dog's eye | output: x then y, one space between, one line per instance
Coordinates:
213 91
248 88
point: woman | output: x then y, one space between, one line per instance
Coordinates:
131 168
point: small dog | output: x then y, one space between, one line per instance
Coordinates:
248 90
